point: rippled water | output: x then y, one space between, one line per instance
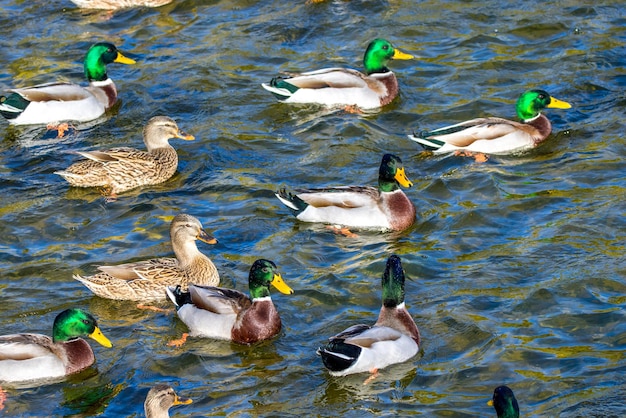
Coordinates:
516 265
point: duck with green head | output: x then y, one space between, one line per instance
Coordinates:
385 207
28 357
496 135
57 102
335 87
504 402
228 314
394 338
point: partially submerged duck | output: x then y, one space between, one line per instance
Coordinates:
345 87
504 402
385 207
32 357
160 399
228 314
394 338
118 170
146 280
497 135
57 102
118 4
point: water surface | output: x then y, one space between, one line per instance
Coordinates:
515 266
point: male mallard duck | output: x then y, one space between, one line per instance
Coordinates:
25 357
394 338
504 402
56 102
385 207
118 4
496 135
160 399
146 280
228 314
122 169
345 87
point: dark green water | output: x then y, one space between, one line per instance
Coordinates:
515 267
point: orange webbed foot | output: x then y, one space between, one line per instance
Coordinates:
61 128
3 397
352 109
179 342
479 157
370 378
342 231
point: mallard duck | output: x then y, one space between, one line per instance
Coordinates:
394 338
146 280
122 169
496 135
26 357
345 87
504 402
56 102
228 314
385 207
160 399
118 4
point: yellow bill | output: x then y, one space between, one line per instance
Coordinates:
99 337
399 55
123 60
280 284
402 178
558 104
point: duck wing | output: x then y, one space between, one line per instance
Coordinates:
347 197
365 335
25 346
465 133
154 269
219 300
65 92
329 77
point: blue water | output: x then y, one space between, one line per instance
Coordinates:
516 271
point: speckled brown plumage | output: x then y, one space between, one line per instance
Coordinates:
122 169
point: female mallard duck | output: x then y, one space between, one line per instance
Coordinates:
394 338
56 102
118 4
146 280
504 402
25 357
122 169
496 135
385 207
345 87
228 314
160 399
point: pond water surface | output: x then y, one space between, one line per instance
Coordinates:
515 266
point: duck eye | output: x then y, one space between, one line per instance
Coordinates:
86 321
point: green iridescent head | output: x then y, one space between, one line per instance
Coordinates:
378 54
264 273
76 323
504 402
532 102
393 282
97 58
391 174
